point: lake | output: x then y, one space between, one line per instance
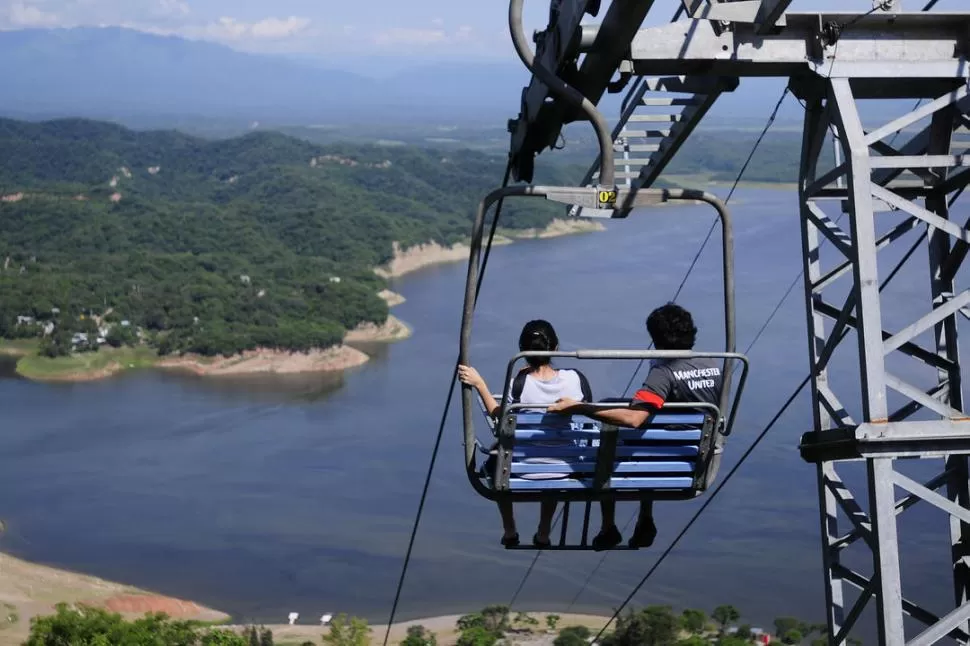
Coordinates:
260 496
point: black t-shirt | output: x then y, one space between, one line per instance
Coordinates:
680 380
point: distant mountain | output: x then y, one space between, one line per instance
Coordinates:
150 81
124 74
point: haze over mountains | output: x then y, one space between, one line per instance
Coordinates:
145 79
120 73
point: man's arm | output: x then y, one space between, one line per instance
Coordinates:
634 417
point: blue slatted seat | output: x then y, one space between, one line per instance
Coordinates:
557 452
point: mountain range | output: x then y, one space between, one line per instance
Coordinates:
121 74
127 75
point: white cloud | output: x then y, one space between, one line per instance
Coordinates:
174 7
308 33
409 36
423 37
276 28
21 14
227 28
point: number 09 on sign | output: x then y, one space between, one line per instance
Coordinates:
607 199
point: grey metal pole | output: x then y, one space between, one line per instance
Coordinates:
566 92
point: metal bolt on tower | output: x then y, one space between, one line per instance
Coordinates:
673 74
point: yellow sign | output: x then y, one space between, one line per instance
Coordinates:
607 198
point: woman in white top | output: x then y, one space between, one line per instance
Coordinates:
539 383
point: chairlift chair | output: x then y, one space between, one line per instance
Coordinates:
677 452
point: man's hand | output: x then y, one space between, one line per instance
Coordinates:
562 405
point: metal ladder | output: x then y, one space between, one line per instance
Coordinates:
656 118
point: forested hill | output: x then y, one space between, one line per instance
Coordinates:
218 246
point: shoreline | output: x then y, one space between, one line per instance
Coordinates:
266 360
431 253
443 627
108 362
30 589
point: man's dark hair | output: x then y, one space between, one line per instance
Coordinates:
672 328
538 335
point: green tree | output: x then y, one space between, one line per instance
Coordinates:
88 626
732 640
693 640
57 344
572 636
552 621
266 637
253 636
725 615
793 636
119 335
785 624
477 636
217 638
471 620
495 618
693 620
419 636
652 626
744 632
346 631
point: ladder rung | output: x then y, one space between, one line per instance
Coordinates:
631 162
636 148
644 134
672 101
655 117
623 175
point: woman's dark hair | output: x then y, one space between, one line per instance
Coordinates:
672 328
538 335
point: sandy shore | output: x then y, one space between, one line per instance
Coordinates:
337 358
391 298
394 329
269 361
28 590
443 627
425 255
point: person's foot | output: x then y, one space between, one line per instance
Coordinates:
541 541
510 540
644 534
607 538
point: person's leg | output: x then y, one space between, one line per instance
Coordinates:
609 535
511 536
547 508
608 509
646 530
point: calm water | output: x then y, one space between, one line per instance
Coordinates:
262 496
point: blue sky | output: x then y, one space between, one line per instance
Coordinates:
458 29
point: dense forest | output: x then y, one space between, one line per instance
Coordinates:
214 247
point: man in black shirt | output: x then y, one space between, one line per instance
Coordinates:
675 380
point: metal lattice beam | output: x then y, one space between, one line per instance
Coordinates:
878 440
832 61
